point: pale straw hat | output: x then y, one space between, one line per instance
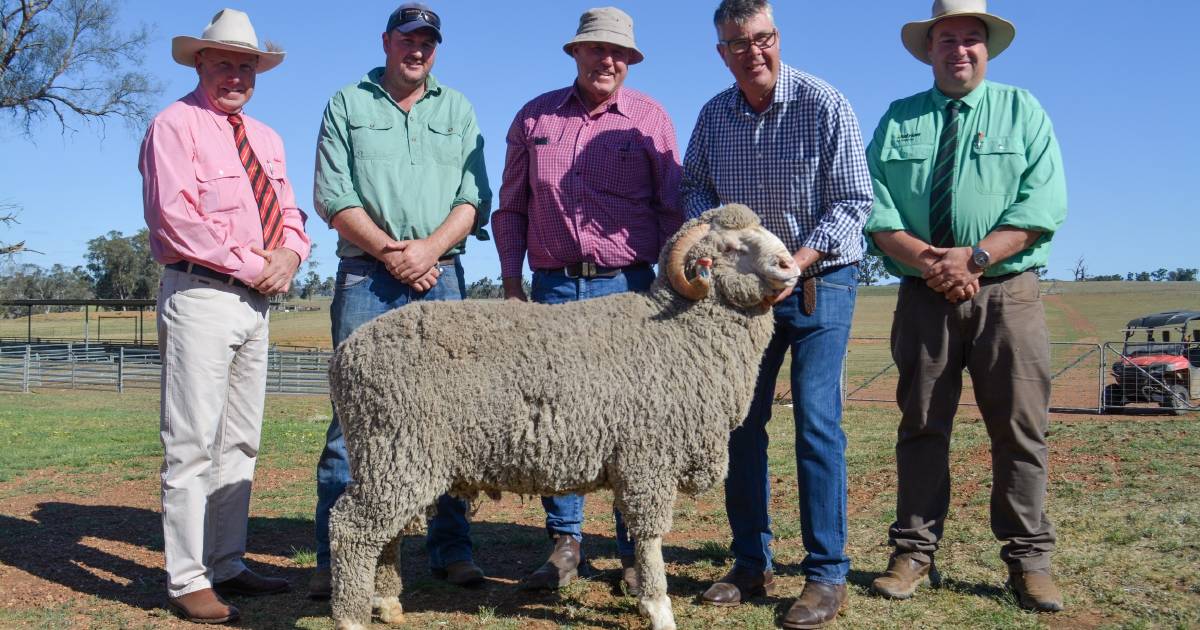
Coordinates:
1000 31
610 25
230 29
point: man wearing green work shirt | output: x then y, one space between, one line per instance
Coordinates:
400 176
969 190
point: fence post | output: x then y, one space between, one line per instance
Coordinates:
71 360
278 371
1100 380
25 370
121 371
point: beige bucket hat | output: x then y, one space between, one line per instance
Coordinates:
1000 31
610 25
230 29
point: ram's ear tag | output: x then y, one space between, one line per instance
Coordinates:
704 267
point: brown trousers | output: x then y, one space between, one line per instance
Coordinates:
1000 337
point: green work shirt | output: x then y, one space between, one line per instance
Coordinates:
407 170
1008 171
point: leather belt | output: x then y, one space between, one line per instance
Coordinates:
201 270
983 281
588 270
444 260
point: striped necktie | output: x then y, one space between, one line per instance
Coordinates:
268 204
941 226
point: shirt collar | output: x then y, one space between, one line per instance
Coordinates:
618 103
970 100
374 79
785 91
201 99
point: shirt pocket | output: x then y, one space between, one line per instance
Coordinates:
220 185
999 164
623 168
445 143
373 138
906 168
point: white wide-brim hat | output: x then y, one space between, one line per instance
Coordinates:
1001 32
230 29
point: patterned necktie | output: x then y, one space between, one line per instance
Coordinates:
941 227
268 204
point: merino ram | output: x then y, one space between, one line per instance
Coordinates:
636 392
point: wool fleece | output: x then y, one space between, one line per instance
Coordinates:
636 392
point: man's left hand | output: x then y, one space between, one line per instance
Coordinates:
416 258
277 274
953 273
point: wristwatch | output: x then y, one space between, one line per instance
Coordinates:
981 257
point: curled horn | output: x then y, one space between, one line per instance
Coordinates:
695 289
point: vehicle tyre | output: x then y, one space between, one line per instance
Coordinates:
1114 396
1177 399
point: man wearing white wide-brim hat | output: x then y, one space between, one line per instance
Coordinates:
223 220
969 191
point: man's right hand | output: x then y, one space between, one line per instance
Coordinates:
513 289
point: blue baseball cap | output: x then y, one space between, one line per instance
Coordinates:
411 16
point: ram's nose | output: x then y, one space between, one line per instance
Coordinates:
788 267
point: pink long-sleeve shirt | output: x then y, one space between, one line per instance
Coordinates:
197 197
579 188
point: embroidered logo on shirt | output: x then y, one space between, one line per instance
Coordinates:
911 136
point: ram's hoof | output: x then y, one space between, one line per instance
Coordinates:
658 610
390 611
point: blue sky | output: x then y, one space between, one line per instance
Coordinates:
1116 78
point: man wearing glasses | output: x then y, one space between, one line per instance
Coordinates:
400 176
787 145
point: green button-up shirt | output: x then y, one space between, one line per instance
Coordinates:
1008 171
407 170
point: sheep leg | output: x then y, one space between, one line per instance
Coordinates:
653 601
355 547
387 584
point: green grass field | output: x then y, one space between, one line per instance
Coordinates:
81 541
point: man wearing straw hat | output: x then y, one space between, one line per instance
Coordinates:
591 193
223 219
969 190
400 176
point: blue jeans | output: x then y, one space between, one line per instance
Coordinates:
564 513
818 345
364 291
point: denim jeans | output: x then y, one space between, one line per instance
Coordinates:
364 291
564 513
818 344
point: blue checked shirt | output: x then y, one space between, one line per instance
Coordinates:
800 165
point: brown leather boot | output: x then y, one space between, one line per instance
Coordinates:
461 573
905 573
629 576
202 606
737 586
818 604
320 585
252 584
1035 590
559 569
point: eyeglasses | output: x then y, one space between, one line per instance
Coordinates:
741 45
404 16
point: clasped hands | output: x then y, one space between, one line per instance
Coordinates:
950 271
280 268
412 262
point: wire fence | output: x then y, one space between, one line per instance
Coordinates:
30 367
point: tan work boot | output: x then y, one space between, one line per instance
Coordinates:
202 606
905 573
1035 590
560 568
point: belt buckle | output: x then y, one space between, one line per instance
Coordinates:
587 270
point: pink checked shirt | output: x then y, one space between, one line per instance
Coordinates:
577 188
196 194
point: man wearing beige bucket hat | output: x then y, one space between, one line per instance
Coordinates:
969 190
223 219
590 193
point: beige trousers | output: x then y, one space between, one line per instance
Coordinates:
213 342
